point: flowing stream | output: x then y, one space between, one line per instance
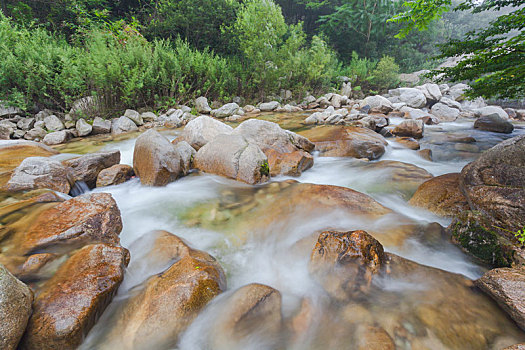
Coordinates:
418 311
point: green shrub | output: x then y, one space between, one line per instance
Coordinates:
385 75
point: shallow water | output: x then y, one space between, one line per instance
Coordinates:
423 308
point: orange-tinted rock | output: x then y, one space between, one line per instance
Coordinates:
155 160
344 262
507 287
341 141
374 338
408 142
115 175
253 312
87 167
425 154
292 164
410 128
90 218
72 300
441 195
167 303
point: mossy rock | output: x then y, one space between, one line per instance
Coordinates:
472 233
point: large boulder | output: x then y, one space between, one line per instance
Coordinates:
489 110
441 195
114 175
342 141
155 160
12 153
431 92
409 127
344 262
15 309
53 123
56 138
507 287
134 116
187 154
70 303
378 104
493 122
227 110
494 184
87 167
413 97
202 130
89 218
287 152
83 128
444 112
251 312
122 125
101 126
40 172
166 303
457 92
234 157
269 106
201 104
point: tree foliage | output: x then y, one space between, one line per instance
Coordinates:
493 58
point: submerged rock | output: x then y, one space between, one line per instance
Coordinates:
70 302
341 141
167 303
234 157
15 309
40 172
344 262
87 167
251 313
507 287
441 195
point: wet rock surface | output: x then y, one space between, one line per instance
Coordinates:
87 167
114 175
40 172
70 302
15 309
441 195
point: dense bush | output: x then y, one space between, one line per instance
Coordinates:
385 75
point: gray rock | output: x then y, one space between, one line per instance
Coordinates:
6 111
488 110
346 89
53 123
377 104
148 116
494 123
40 116
83 128
122 125
408 79
40 172
269 106
413 97
35 134
134 116
227 110
234 157
56 138
19 134
444 113
156 160
314 118
457 92
15 309
413 113
185 109
5 132
85 106
202 130
451 103
187 154
87 167
101 126
39 124
26 123
431 92
201 104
